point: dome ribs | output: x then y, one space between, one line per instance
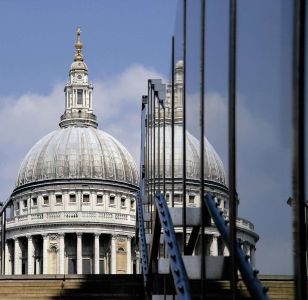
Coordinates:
76 153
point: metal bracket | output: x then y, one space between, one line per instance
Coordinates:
177 267
142 244
254 285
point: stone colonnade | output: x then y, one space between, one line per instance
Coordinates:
215 249
119 245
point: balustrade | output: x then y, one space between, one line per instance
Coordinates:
62 215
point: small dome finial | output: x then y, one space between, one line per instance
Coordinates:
78 46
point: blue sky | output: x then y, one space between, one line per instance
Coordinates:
37 39
127 42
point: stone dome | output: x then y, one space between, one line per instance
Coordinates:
75 153
213 166
79 65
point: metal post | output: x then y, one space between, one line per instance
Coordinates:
232 145
164 151
158 146
3 231
154 142
172 124
184 126
151 155
299 225
148 151
204 216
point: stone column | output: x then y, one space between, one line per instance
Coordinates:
96 253
113 256
30 255
61 253
214 246
79 253
45 254
128 256
226 251
7 269
138 263
17 262
252 256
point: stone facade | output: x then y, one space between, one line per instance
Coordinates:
73 209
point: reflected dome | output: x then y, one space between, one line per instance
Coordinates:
213 166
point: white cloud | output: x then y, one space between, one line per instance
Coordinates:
263 179
27 118
117 103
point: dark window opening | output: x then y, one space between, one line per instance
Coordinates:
79 96
46 200
191 199
111 200
58 199
86 198
34 201
72 198
99 199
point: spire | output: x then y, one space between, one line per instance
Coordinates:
78 46
78 93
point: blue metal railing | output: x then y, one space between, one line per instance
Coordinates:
142 243
177 267
249 276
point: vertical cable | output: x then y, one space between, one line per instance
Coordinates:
154 150
148 150
184 125
232 145
202 90
158 145
3 231
164 151
172 124
299 224
151 157
164 179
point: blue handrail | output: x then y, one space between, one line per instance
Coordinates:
253 284
142 244
177 267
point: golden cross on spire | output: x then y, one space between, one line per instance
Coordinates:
78 46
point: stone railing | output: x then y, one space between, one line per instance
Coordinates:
244 223
240 223
78 216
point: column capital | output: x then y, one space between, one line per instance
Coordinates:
79 233
45 236
119 237
61 234
96 234
29 236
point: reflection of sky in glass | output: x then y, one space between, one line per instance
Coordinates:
193 75
306 108
263 120
264 81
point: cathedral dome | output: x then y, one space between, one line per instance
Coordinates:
78 150
77 153
213 166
